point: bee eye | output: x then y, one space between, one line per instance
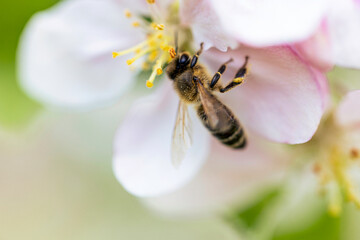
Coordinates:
184 59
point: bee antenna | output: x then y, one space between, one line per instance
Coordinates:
176 41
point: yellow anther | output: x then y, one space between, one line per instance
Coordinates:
354 153
130 61
149 84
156 70
172 52
159 27
115 54
150 1
127 13
316 168
135 24
159 36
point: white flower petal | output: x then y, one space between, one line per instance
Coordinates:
64 58
269 22
344 27
283 98
229 176
316 50
142 157
202 20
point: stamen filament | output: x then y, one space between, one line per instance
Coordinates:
138 55
129 50
335 200
157 70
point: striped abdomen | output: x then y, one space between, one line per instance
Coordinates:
228 130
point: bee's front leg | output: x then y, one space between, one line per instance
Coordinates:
217 75
239 77
196 56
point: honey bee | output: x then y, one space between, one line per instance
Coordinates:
195 87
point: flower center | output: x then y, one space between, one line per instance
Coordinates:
335 181
157 48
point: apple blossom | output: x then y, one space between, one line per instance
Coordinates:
65 60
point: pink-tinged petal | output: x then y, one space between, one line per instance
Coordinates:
142 155
229 176
283 98
269 22
344 28
348 111
316 50
64 57
202 20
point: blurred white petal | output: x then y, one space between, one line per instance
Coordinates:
269 22
203 21
229 176
344 27
64 57
142 150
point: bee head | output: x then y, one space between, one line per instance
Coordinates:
178 65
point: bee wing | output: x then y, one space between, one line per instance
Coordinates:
182 135
218 115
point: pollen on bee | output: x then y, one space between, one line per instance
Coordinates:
238 80
136 24
127 13
172 52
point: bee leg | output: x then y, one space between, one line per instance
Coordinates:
196 56
239 77
217 75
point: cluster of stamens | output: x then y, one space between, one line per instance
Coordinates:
156 47
334 178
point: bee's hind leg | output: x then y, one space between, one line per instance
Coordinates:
239 77
196 56
217 75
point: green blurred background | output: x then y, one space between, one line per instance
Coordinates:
56 180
